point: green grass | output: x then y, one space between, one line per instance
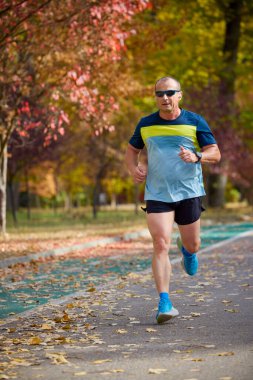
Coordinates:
108 220
76 219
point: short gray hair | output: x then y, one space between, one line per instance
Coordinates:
165 79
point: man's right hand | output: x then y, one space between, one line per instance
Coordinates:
139 174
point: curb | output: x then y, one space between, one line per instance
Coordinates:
62 251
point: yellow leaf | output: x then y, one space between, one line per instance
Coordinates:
117 370
232 310
57 319
65 318
35 340
149 330
19 361
179 291
69 306
101 361
16 341
195 314
226 301
83 373
57 358
156 371
45 326
92 289
121 331
66 327
11 330
230 353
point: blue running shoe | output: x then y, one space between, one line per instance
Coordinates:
189 261
165 311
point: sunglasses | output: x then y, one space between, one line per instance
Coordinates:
169 93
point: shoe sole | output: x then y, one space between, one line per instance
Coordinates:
166 317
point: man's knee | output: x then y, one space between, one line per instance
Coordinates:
161 244
192 246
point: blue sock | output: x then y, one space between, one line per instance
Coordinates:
186 253
165 296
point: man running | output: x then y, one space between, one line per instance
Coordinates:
177 142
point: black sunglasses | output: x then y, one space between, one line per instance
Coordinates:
169 93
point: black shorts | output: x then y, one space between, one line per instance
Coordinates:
187 211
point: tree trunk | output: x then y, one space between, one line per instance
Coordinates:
13 203
95 205
28 194
216 189
232 14
3 179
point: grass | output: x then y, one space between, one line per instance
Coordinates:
109 221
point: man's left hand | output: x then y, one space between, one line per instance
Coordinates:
187 156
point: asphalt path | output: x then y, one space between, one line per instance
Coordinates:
110 331
25 285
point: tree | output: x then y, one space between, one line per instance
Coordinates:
56 45
203 43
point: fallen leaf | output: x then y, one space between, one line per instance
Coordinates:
45 326
121 331
57 358
35 340
195 314
117 370
83 373
226 301
92 289
21 362
156 371
149 330
101 361
11 330
232 310
229 353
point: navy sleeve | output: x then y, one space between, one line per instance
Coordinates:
136 140
204 133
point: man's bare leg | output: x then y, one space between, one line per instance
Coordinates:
160 227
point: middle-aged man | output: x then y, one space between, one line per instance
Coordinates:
178 142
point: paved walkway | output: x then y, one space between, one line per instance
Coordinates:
110 331
25 285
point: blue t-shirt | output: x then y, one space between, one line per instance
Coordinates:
169 178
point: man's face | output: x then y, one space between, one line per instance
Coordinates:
167 103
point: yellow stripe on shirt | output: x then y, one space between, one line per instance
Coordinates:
188 131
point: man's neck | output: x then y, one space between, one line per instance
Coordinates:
170 115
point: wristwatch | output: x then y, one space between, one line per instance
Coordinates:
199 156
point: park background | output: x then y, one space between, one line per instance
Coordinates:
75 78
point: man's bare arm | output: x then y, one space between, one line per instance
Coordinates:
137 171
210 154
